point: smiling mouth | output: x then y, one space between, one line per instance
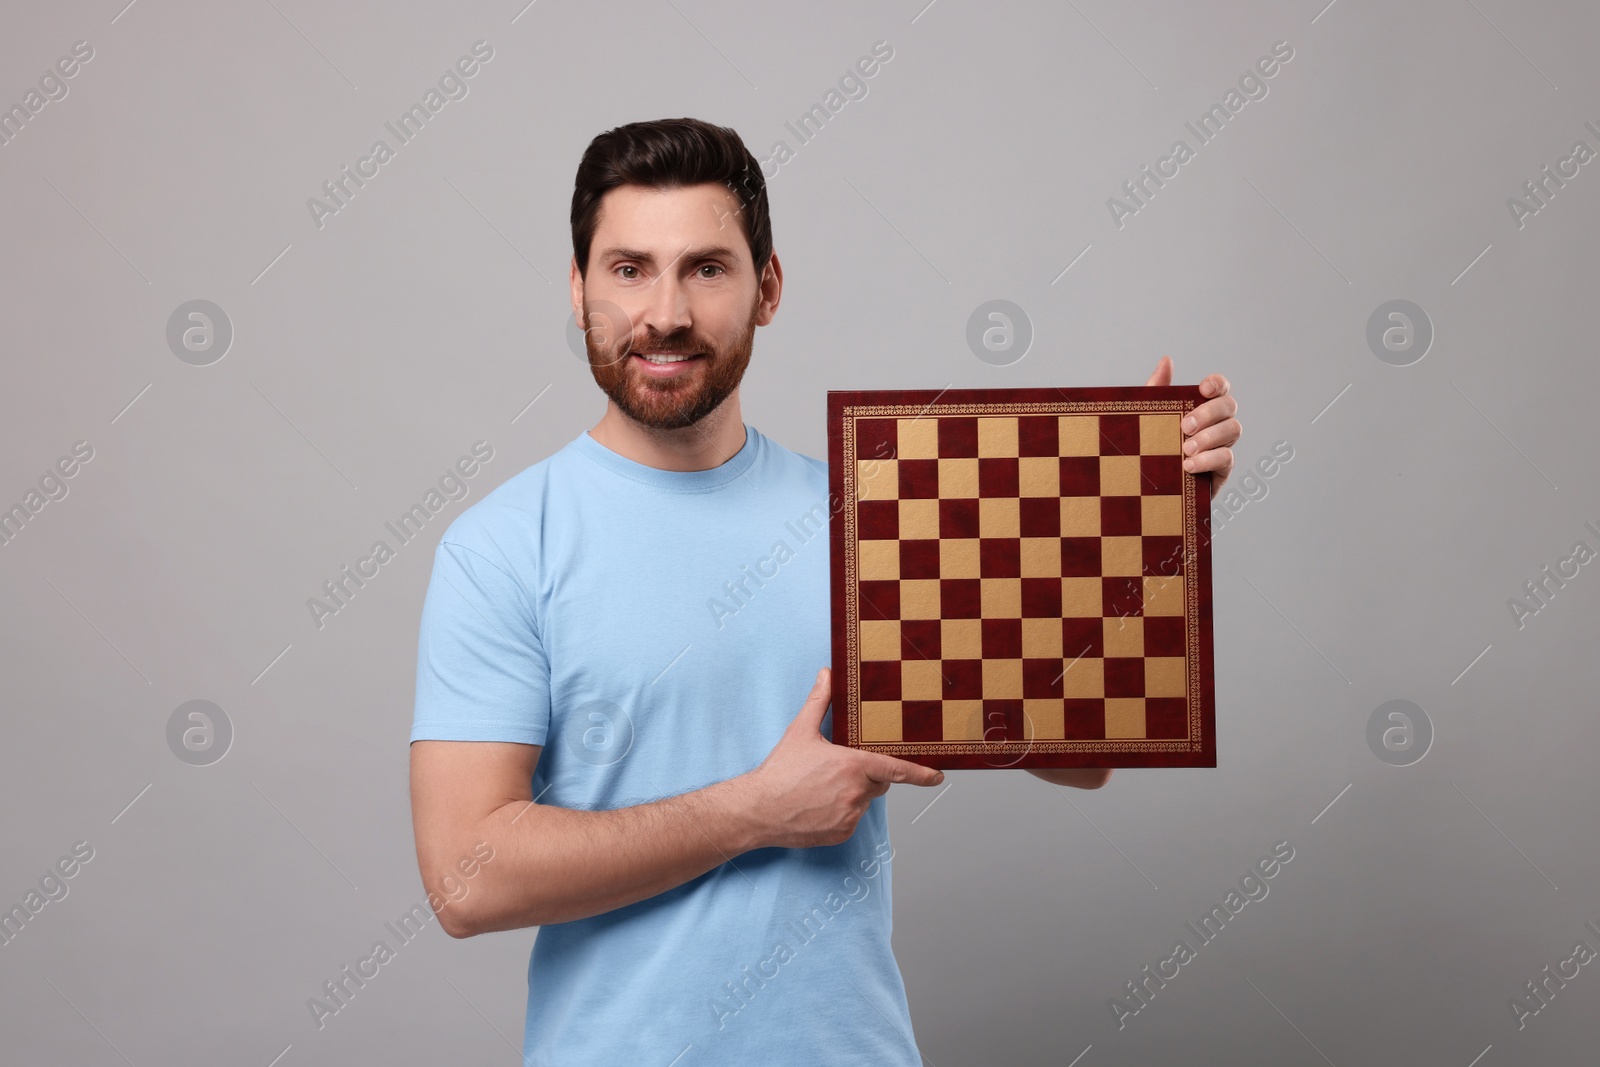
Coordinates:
661 358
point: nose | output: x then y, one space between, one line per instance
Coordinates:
665 307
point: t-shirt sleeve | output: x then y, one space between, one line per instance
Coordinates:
482 672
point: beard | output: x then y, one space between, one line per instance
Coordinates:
667 403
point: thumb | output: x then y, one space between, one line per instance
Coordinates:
1162 375
815 707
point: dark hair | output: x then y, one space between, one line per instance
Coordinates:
668 154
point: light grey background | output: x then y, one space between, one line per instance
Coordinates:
369 354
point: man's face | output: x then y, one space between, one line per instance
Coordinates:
670 276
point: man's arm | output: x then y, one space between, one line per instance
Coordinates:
554 864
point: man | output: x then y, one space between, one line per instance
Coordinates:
613 648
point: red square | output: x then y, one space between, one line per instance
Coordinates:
919 638
1038 435
1000 557
880 679
963 679
1083 720
958 437
1041 678
919 479
1080 475
1121 516
1163 635
1002 638
880 600
1080 557
960 598
998 477
1041 516
1041 598
1166 717
1002 721
958 518
875 438
1121 597
1083 638
1119 435
1162 475
919 558
922 720
1163 555
1125 676
879 520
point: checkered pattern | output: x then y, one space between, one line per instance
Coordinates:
1021 578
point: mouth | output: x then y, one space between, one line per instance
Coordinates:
666 364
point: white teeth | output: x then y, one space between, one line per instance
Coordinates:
666 359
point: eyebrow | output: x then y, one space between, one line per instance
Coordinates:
691 254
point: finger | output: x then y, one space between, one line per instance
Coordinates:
881 768
1221 435
1213 385
1223 407
1217 460
1162 375
815 707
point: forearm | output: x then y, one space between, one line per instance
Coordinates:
558 864
1077 777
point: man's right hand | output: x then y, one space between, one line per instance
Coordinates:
810 791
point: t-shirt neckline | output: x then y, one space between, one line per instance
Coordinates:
673 481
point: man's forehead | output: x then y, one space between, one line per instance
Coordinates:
636 219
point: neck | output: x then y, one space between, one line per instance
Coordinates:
708 443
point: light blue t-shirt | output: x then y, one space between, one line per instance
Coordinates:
656 631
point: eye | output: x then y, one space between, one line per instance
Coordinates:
628 266
712 266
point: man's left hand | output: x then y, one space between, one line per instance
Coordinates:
1209 431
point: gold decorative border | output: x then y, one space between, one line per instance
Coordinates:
854 412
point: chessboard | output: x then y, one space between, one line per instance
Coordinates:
1020 578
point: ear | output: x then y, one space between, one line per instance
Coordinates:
575 280
771 290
